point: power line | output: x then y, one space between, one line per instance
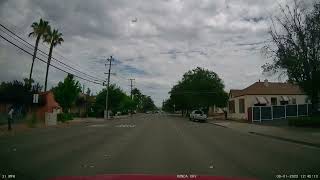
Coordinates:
45 54
95 82
68 66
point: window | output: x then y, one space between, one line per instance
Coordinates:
241 105
274 101
307 101
283 102
231 107
294 101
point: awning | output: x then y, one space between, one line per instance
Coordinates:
284 98
261 100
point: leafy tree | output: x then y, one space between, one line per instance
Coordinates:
53 37
137 98
39 30
117 101
67 92
199 88
18 92
126 104
168 105
88 92
295 48
142 102
147 104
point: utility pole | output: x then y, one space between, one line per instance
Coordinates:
106 114
131 84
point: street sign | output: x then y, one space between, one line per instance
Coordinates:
35 98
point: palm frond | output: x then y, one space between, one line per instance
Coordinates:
31 34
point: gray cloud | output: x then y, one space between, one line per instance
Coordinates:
169 38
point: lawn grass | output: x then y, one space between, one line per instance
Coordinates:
305 121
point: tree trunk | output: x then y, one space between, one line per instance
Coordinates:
48 64
33 58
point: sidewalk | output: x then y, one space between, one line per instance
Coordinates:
307 136
23 127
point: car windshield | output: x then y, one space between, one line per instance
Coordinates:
161 89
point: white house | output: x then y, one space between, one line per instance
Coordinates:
263 94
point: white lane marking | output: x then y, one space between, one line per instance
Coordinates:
97 125
126 126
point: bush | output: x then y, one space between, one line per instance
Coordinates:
32 121
63 117
313 121
92 114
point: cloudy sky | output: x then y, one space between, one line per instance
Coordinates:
153 41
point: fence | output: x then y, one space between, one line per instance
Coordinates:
260 113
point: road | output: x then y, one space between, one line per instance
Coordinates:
152 144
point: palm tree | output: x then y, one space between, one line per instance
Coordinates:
53 38
39 29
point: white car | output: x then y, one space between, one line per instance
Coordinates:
198 115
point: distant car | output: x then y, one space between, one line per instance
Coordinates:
198 115
148 112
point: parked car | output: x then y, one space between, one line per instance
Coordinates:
198 115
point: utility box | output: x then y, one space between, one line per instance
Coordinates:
50 119
105 114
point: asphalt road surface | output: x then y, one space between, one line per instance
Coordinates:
152 144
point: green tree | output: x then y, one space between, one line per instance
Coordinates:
18 92
117 101
142 102
295 48
199 88
88 92
168 105
53 37
147 103
137 99
67 92
39 30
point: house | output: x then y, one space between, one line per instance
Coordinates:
47 104
46 107
83 105
214 110
263 94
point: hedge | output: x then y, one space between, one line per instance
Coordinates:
313 121
63 117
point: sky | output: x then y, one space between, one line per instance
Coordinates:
153 41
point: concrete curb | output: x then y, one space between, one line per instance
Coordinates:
286 139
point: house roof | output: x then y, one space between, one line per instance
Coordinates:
235 92
268 88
